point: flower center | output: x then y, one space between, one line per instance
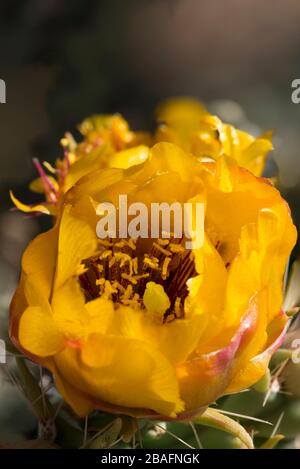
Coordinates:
121 270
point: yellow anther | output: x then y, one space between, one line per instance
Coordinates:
133 302
119 286
109 289
170 318
177 309
64 142
81 269
50 168
163 242
130 278
164 272
120 244
131 243
105 243
176 248
72 157
151 261
128 292
139 277
135 265
162 250
71 140
107 253
100 281
123 258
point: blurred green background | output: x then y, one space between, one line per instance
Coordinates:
62 61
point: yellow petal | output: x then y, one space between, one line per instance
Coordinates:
250 371
17 306
205 375
77 319
93 183
39 261
77 241
130 157
80 403
165 156
37 185
207 290
123 372
180 109
38 333
34 294
175 340
254 156
100 315
42 208
69 309
249 152
85 165
261 261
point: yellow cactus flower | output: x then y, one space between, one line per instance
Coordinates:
104 136
187 123
109 142
145 326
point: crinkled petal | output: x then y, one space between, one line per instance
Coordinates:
122 371
252 370
205 376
